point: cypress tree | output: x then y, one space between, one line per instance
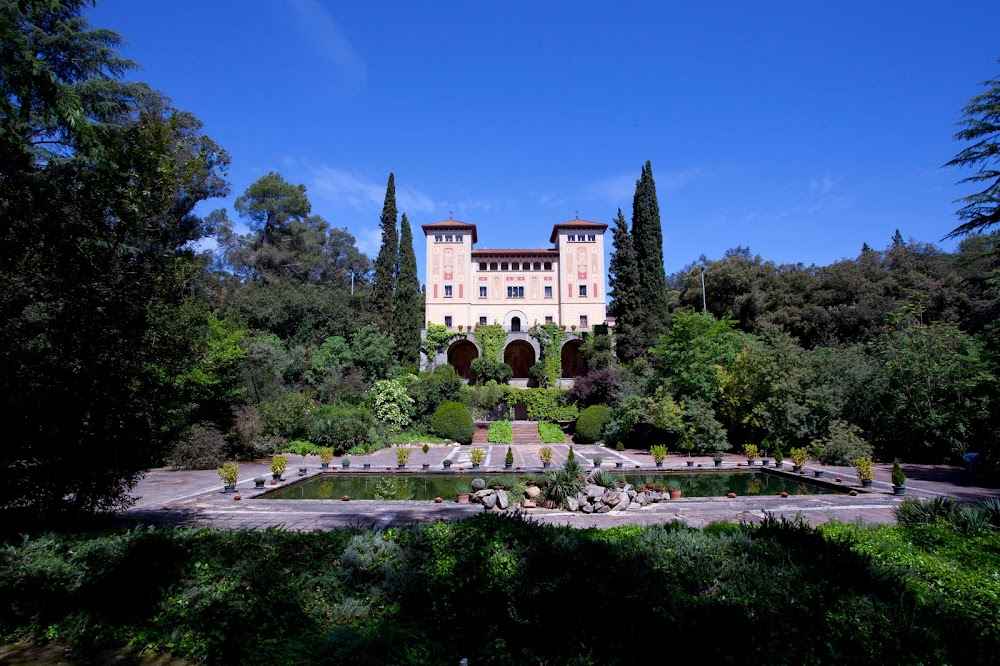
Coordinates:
623 276
647 236
409 307
387 263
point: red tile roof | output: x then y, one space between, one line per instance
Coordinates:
451 225
577 224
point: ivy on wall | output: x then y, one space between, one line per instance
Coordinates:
550 341
491 338
438 337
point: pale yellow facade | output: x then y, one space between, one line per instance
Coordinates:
516 287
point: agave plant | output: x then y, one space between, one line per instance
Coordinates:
606 479
562 483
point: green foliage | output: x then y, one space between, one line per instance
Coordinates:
408 308
750 451
626 297
290 414
403 454
391 403
550 340
606 478
343 427
640 419
550 433
476 455
590 424
800 456
543 404
866 469
387 262
278 464
843 444
659 452
437 338
372 352
229 473
545 454
509 458
647 236
431 389
779 457
500 432
703 430
490 339
453 421
325 454
489 369
980 123
200 446
898 478
563 483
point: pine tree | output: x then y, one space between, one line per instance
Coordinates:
409 306
647 236
387 263
623 276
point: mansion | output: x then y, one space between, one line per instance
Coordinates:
515 287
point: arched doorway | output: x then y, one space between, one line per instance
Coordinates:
460 356
573 363
515 324
520 356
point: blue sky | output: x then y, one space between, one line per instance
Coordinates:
799 129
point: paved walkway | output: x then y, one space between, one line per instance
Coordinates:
193 498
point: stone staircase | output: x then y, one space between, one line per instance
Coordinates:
525 432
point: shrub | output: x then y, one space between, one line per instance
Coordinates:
278 464
562 483
751 452
898 478
799 456
606 478
325 454
843 444
453 421
500 432
509 458
290 414
590 424
431 389
391 403
550 433
476 455
659 452
201 446
545 453
229 473
342 427
866 470
402 454
779 457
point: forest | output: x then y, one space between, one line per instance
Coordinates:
140 332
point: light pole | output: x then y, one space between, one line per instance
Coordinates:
704 306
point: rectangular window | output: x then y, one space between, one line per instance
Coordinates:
482 265
571 238
504 266
548 319
515 292
583 290
591 238
447 321
447 239
458 238
482 292
548 265
583 321
438 238
482 321
447 291
548 292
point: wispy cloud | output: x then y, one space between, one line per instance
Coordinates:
464 206
364 193
369 240
621 187
823 185
839 201
323 34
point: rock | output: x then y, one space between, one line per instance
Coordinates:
613 498
572 504
640 499
528 504
604 508
628 488
502 499
587 507
532 492
483 493
623 503
595 492
490 501
631 493
478 484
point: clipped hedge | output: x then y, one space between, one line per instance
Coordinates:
590 424
452 420
551 433
500 432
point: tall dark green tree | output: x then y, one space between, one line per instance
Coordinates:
409 307
99 181
271 203
387 262
980 127
647 235
625 307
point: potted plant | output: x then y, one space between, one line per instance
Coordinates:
751 453
659 452
325 456
779 458
816 453
866 470
545 453
278 464
687 445
463 498
229 473
674 488
476 456
402 456
799 458
898 479
597 461
258 482
447 464
345 462
302 449
508 460
764 445
425 448
718 460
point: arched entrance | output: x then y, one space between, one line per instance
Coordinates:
520 356
573 364
515 324
460 356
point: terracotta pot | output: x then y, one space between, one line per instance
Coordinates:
853 493
731 495
675 494
463 498
438 500
784 493
346 498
